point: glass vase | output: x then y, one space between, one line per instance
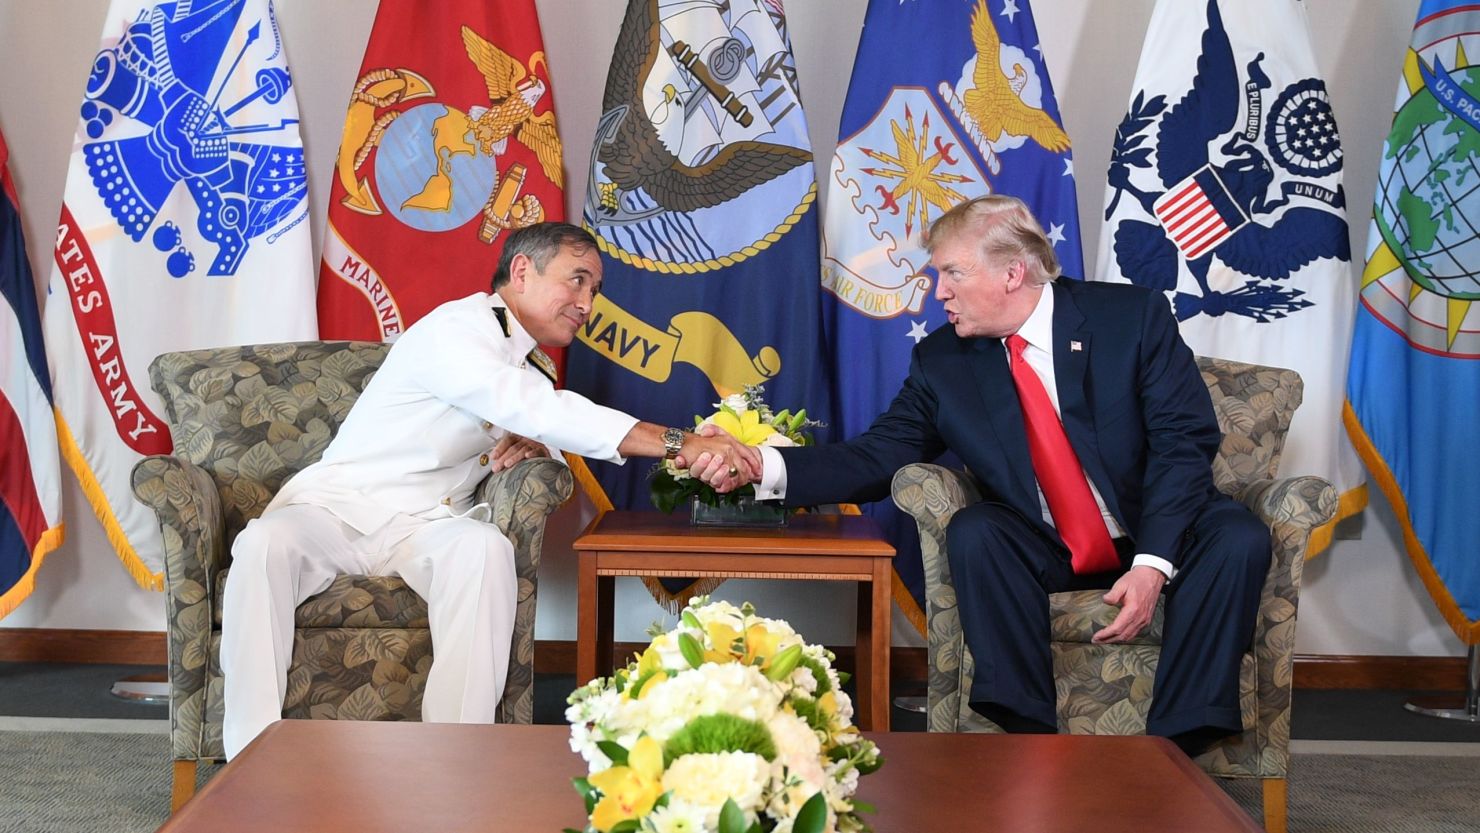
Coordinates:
745 511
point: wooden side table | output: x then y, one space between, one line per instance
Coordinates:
812 547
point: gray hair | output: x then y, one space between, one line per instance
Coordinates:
540 242
1005 230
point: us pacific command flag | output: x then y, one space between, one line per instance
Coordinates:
1414 385
948 102
449 144
702 197
184 225
1225 192
30 470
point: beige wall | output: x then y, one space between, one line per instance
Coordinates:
1360 598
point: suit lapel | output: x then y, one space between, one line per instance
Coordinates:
988 359
1071 359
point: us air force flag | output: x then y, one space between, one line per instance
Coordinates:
701 196
1225 192
1414 387
182 227
948 101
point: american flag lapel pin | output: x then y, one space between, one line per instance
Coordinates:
1075 346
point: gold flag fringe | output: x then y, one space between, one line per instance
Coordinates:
49 540
135 566
1468 631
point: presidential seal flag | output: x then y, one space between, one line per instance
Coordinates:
948 102
1225 192
449 143
183 227
1414 384
701 196
30 476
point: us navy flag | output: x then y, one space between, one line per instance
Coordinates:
948 101
701 196
182 227
1225 192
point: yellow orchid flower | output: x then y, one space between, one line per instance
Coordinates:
629 792
747 427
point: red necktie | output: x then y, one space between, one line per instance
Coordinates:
1075 513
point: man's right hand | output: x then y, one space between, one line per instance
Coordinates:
720 460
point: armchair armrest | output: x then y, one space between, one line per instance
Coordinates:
522 498
185 500
1291 507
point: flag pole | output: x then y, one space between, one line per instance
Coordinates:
1445 706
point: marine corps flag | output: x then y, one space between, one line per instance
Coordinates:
183 226
1414 386
449 142
701 196
924 129
30 470
1225 193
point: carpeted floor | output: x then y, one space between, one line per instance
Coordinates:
66 782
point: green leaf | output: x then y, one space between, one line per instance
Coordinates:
691 620
698 421
864 807
781 417
613 750
784 663
843 678
732 818
691 650
642 681
626 826
589 794
812 816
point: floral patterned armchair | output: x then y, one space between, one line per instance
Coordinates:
1106 689
244 419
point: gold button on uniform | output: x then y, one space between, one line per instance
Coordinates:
483 461
446 501
487 425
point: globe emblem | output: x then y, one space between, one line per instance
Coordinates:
429 170
1429 192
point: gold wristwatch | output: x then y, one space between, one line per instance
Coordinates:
672 442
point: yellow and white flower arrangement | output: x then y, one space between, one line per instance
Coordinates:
729 723
747 418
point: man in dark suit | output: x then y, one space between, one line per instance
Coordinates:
1082 412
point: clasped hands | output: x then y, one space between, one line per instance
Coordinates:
720 460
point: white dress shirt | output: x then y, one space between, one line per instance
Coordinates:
1038 332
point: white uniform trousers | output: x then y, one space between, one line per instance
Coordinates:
464 568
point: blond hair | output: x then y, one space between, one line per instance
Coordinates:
1005 230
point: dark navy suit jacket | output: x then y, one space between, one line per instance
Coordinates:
1133 404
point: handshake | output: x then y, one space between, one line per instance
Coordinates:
715 457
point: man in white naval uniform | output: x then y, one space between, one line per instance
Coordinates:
456 397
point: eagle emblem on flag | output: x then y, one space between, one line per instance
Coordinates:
1225 173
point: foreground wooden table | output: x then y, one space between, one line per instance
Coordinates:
329 775
813 547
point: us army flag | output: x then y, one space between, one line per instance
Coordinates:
183 227
449 142
701 195
1414 385
30 474
1225 193
924 129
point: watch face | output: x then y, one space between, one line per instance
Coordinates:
672 441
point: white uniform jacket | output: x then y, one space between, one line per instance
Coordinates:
421 436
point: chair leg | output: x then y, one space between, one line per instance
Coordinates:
184 785
1274 805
